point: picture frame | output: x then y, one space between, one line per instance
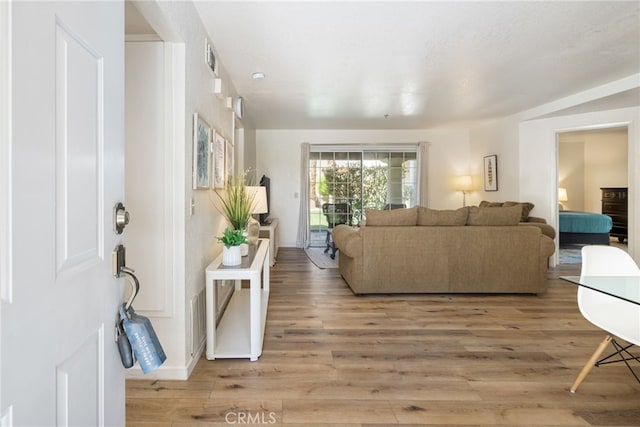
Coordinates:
219 171
201 152
210 58
491 173
229 158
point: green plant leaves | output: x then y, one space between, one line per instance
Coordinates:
236 202
232 237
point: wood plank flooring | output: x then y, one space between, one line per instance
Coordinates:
332 358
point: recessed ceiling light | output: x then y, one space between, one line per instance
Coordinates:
259 75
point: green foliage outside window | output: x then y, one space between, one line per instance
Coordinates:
363 180
361 188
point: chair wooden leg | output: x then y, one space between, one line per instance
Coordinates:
592 361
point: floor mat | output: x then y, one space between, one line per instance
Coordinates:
320 259
572 254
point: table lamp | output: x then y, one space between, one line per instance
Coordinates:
562 196
464 183
258 195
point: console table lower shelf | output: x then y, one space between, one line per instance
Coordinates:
240 331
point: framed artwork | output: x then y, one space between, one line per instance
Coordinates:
201 152
210 58
491 173
219 172
229 159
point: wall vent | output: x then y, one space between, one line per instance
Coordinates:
198 325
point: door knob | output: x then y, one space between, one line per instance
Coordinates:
120 218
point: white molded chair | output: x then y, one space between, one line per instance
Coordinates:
617 317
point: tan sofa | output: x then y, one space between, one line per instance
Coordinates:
421 250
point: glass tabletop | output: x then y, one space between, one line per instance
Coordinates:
247 261
624 287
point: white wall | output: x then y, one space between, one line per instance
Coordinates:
571 172
248 152
278 156
499 137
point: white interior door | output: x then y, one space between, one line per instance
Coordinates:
59 364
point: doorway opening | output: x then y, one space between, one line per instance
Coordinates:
592 168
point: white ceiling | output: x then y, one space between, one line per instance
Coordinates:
421 63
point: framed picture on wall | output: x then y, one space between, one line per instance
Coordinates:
491 173
210 58
201 152
219 172
229 158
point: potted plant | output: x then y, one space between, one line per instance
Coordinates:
236 202
232 239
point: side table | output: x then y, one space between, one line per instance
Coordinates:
270 231
240 332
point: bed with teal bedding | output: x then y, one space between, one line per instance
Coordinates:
584 228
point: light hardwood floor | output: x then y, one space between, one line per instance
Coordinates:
332 358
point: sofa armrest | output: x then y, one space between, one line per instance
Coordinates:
546 229
348 240
536 219
547 247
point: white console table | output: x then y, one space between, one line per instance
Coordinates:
240 332
270 231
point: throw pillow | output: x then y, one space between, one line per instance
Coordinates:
436 217
526 208
494 216
485 204
408 216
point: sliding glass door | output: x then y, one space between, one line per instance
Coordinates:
344 183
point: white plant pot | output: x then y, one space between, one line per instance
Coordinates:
231 256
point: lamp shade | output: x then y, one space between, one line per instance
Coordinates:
464 183
562 195
259 197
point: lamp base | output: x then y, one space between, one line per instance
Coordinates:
253 231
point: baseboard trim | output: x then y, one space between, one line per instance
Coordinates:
166 372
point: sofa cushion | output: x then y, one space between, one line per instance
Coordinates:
437 217
525 206
401 217
485 204
494 215
526 209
